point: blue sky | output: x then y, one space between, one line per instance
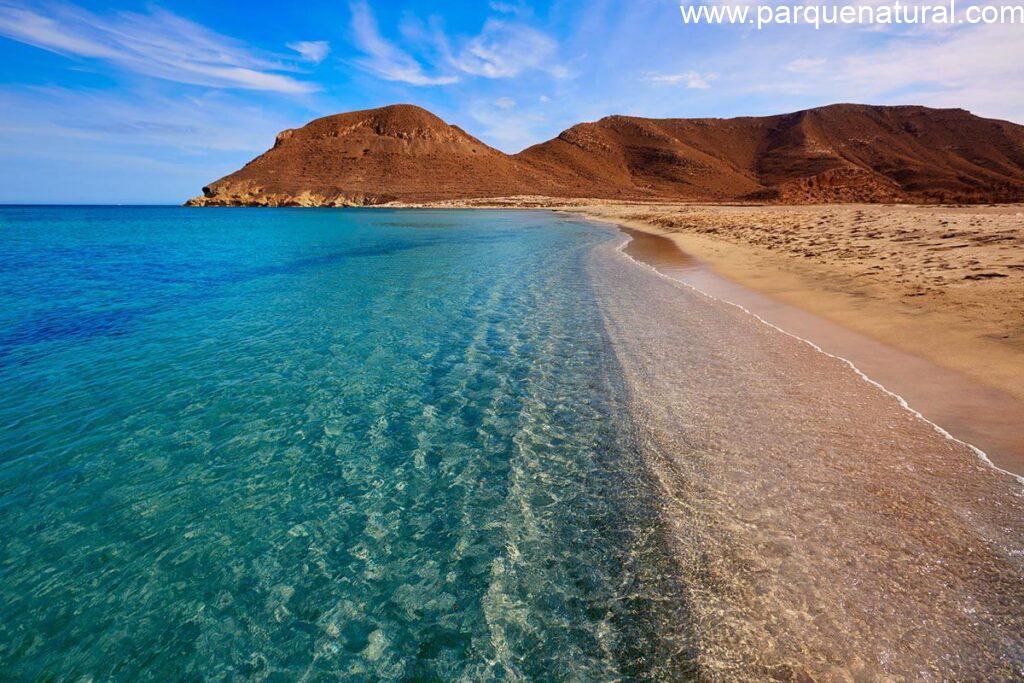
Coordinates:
132 102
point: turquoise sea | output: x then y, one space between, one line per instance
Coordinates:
319 444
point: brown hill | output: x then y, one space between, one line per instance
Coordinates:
839 153
369 157
836 153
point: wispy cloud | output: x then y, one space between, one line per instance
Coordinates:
690 79
517 8
314 51
158 44
85 145
505 50
502 49
214 121
974 67
500 126
977 66
806 65
385 59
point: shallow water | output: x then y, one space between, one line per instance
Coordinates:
247 443
984 417
435 445
822 530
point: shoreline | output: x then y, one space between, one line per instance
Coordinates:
964 341
814 521
1017 473
984 420
957 377
956 355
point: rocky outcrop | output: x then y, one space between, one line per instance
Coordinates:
250 193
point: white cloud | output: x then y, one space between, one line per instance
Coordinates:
691 79
517 8
971 67
73 146
314 51
385 59
215 121
505 103
807 65
159 44
502 49
505 50
506 130
957 61
978 67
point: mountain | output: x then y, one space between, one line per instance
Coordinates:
370 157
838 153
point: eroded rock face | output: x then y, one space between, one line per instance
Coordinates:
846 185
840 153
249 193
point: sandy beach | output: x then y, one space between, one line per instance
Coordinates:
522 341
942 282
931 297
945 283
823 533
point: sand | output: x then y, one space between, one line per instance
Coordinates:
945 283
927 300
822 532
941 282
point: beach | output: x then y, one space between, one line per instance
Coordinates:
443 444
945 283
511 341
823 531
926 300
942 282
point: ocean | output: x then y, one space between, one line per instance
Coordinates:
288 443
379 444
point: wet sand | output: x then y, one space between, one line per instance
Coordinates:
941 283
822 531
926 300
985 417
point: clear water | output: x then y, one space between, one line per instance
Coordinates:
285 443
